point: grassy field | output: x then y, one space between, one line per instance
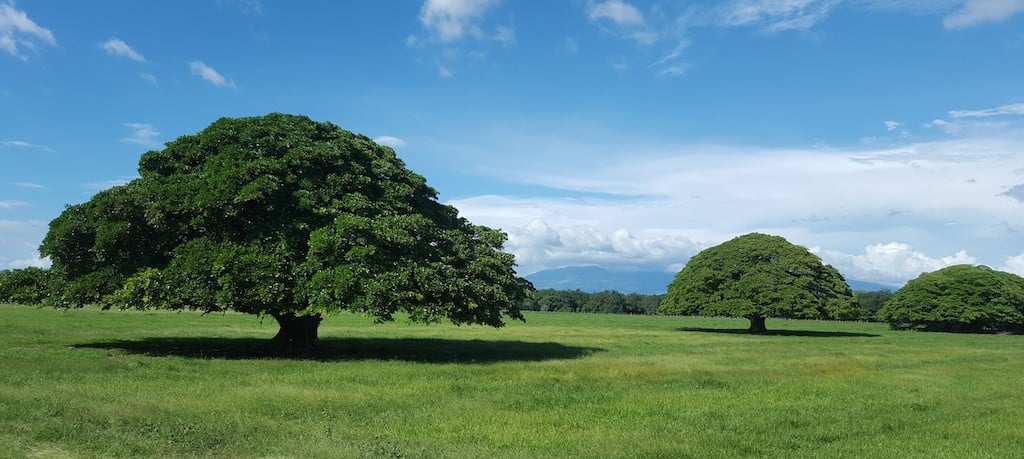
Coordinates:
88 383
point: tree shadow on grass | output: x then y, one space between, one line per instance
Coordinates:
424 350
808 333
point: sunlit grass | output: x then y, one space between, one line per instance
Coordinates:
88 383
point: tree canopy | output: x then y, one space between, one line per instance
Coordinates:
24 286
961 298
283 216
757 276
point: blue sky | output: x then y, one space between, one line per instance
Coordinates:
887 136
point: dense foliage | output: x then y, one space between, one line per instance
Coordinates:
869 303
24 286
961 298
283 216
759 276
609 302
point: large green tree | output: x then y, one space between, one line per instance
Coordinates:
757 276
286 217
961 298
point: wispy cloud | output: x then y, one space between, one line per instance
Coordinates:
24 144
12 204
1005 110
142 134
244 6
149 78
393 142
32 185
621 19
100 186
17 32
975 12
117 47
210 74
775 15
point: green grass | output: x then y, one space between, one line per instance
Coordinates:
89 383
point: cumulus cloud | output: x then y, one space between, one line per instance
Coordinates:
24 144
19 241
31 262
892 263
116 47
17 32
452 20
620 13
975 12
393 142
142 134
1014 265
210 74
943 196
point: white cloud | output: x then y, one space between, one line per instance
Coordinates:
892 263
12 204
621 13
18 239
942 196
27 185
100 186
393 142
33 262
451 20
571 45
505 35
210 74
142 134
976 12
669 65
1005 110
244 6
775 15
621 19
1014 265
443 71
18 31
116 47
24 144
149 78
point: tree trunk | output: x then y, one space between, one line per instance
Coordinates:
757 325
297 335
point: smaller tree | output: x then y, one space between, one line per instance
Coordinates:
757 276
25 286
961 298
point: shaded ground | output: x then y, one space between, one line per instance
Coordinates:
425 350
770 332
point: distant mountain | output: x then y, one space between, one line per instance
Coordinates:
596 279
864 286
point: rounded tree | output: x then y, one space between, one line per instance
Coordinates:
961 298
281 216
757 276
